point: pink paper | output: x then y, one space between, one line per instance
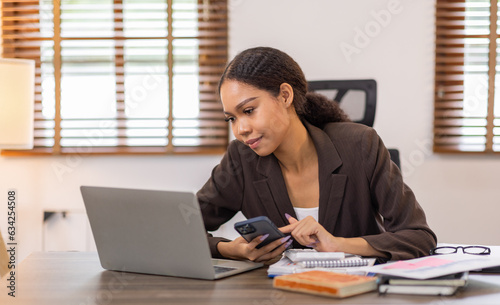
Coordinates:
426 262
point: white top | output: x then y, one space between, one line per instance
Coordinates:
304 212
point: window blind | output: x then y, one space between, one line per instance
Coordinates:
467 111
122 76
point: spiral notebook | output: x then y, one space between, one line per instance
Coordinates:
295 261
310 258
341 263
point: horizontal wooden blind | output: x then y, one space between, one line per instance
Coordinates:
122 76
466 118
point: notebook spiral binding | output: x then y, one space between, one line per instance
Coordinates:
336 263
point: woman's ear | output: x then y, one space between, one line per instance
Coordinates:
286 94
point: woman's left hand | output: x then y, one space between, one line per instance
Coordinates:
308 232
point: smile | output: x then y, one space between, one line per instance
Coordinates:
253 143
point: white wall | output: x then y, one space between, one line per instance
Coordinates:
459 193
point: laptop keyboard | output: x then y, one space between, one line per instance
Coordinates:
220 269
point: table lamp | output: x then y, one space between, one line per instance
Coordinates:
17 93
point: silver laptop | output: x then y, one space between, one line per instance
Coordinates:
154 232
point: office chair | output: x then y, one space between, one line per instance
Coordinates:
358 98
4 258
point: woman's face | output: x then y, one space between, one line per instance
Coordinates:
258 119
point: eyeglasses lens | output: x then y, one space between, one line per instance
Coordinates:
445 250
475 250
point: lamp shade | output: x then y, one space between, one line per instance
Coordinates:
17 93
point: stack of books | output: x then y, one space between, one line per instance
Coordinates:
444 285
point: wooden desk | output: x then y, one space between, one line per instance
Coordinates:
77 278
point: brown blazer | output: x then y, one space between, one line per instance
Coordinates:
362 193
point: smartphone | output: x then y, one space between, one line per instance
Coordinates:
253 227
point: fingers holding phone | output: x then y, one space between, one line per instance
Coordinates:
268 252
239 248
261 227
264 240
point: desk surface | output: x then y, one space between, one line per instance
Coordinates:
77 278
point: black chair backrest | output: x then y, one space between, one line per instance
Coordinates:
364 92
342 89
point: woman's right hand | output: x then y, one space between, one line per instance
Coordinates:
241 249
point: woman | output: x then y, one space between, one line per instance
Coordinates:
328 182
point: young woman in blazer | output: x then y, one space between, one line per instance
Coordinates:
298 160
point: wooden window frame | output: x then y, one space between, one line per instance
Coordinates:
449 97
17 37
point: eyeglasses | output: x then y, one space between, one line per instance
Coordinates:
476 250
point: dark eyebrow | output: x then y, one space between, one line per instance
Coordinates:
242 103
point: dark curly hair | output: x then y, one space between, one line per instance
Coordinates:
267 68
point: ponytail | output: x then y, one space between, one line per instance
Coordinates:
318 110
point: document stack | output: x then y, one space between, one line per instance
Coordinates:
431 275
